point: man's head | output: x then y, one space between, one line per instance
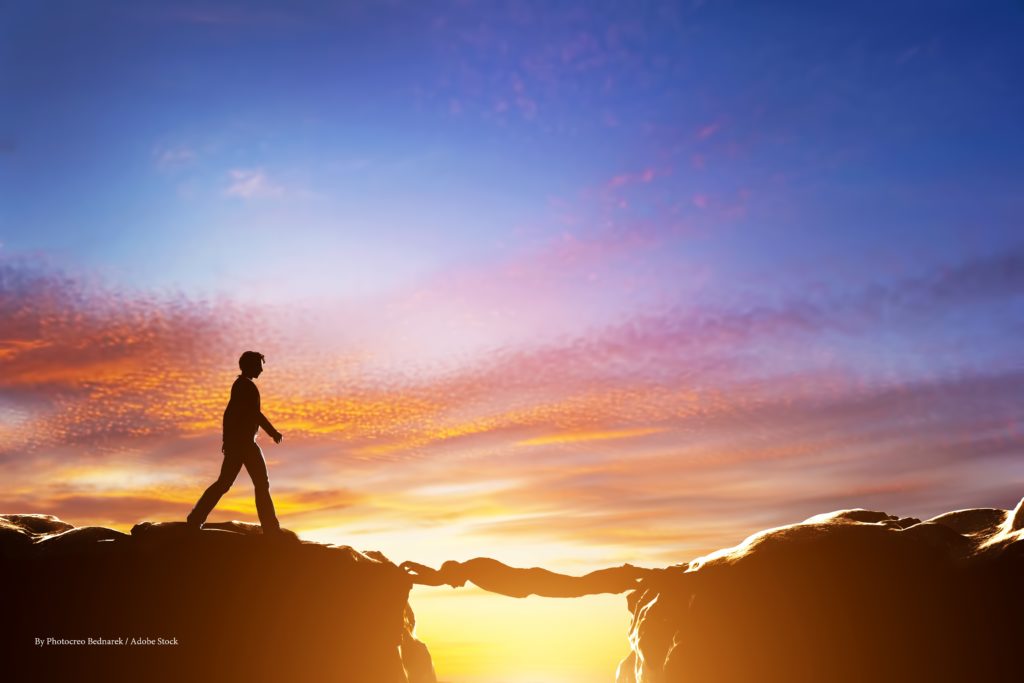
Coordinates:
251 364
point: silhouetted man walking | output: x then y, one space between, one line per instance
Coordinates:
242 419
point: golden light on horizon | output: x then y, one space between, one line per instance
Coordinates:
479 637
603 435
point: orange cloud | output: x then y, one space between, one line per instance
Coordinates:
604 435
656 436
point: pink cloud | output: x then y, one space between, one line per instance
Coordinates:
705 132
252 183
655 435
640 177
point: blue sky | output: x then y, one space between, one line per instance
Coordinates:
449 127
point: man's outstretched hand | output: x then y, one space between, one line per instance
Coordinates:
277 437
423 574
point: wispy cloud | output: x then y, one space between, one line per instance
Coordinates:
169 158
644 176
651 435
252 183
101 359
709 130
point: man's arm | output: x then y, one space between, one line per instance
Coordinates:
261 419
269 428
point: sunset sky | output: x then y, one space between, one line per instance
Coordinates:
562 284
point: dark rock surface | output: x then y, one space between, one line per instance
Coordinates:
853 595
242 607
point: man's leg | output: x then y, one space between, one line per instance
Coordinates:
256 466
228 471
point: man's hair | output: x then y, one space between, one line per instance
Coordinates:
250 359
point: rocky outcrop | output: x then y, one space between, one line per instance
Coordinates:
853 595
224 604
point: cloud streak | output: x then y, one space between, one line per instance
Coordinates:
252 183
653 436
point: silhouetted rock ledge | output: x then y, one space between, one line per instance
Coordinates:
241 606
853 595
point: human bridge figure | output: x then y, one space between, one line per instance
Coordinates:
519 582
242 420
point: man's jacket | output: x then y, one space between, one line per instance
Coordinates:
242 417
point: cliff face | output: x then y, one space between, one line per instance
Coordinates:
847 596
850 596
222 604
